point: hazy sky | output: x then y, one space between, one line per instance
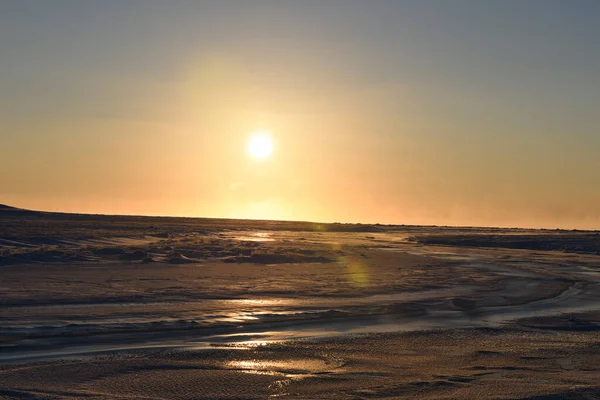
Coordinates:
418 112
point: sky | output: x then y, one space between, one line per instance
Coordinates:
451 112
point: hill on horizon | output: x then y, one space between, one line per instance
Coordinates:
4 207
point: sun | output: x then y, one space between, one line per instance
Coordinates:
260 145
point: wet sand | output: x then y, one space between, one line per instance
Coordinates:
506 363
189 309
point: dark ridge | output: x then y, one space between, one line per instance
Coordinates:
8 210
49 220
568 242
4 207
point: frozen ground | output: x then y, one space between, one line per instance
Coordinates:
124 307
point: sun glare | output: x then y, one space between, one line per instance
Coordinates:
260 145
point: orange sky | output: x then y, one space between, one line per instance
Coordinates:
372 120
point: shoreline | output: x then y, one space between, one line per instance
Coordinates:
257 314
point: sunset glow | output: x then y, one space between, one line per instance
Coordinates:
299 199
392 112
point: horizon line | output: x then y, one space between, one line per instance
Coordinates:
5 206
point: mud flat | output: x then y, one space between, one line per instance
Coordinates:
134 307
506 363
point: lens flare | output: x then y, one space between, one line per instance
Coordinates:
357 270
